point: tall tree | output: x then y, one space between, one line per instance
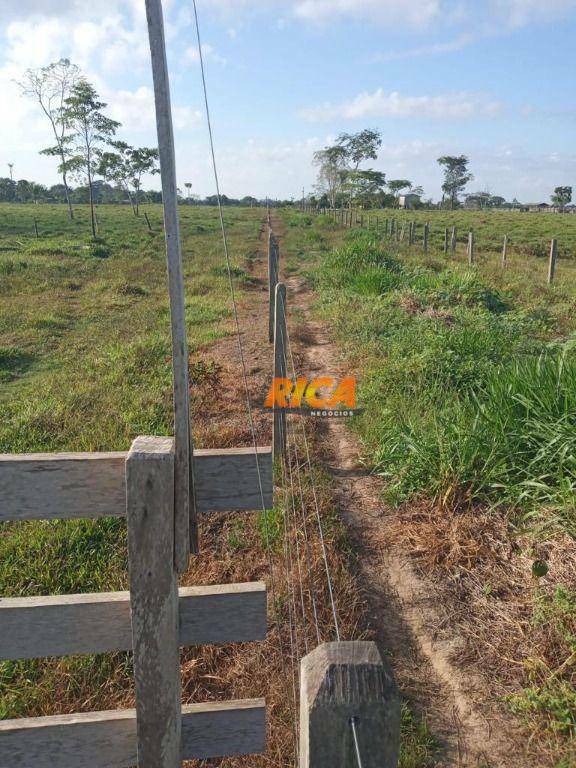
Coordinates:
562 196
90 129
456 175
397 185
331 163
360 146
126 166
50 86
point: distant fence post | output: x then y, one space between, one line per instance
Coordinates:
154 601
552 262
349 707
453 241
505 251
425 238
272 280
411 233
279 422
350 217
471 247
445 239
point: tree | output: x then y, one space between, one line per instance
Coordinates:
365 185
360 146
89 129
126 166
397 185
562 196
456 176
11 170
50 86
331 162
7 190
188 185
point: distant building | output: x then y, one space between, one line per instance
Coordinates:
408 201
538 207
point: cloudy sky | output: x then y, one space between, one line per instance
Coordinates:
493 79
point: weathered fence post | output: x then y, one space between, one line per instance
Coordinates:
425 238
36 227
154 600
279 422
445 239
348 695
402 232
272 281
552 262
411 233
505 251
361 220
471 247
350 222
453 241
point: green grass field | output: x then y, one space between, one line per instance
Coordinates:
468 380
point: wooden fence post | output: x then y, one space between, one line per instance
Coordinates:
346 689
402 231
279 422
411 233
272 281
425 238
445 239
471 247
505 251
453 241
552 262
350 222
154 601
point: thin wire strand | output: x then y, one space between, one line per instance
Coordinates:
316 504
356 742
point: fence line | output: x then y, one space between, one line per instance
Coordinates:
449 236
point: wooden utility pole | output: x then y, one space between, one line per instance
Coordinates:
185 525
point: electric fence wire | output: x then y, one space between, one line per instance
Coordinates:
242 356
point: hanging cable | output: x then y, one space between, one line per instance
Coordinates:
356 743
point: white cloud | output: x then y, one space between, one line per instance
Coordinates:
380 104
521 12
413 12
434 49
191 55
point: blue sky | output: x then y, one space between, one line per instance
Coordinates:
489 78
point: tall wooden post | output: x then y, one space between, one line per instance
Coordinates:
349 705
150 473
425 237
279 422
505 251
272 282
552 261
471 247
411 233
453 241
185 524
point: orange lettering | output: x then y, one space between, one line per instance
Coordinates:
322 382
279 393
344 394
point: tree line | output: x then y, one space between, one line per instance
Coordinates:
343 179
84 140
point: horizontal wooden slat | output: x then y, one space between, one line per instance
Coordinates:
45 486
32 627
108 739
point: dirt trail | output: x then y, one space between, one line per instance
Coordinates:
404 606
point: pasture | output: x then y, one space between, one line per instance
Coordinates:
468 380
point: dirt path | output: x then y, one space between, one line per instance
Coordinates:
404 606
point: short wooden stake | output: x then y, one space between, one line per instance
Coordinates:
272 282
552 262
154 600
279 423
425 238
340 684
453 241
505 251
471 248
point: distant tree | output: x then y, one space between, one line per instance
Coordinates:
360 146
126 166
50 86
365 185
456 176
7 190
331 163
11 171
249 200
90 129
562 196
188 185
397 185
